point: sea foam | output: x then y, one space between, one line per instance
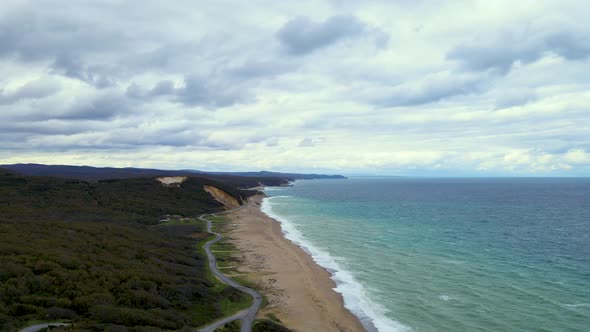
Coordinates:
356 299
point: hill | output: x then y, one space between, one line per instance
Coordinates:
88 173
287 176
106 275
94 253
141 200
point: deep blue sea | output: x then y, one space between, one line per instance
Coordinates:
415 254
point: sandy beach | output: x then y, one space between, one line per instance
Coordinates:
300 292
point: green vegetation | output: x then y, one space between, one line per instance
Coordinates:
83 252
225 252
273 317
124 200
100 274
268 326
114 255
93 174
229 327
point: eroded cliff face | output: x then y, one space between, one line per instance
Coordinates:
172 180
222 197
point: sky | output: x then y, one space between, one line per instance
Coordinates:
407 87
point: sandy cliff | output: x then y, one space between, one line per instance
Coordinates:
222 197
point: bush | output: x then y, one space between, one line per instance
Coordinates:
20 309
268 326
74 250
60 313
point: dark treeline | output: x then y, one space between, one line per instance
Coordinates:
89 252
140 200
93 174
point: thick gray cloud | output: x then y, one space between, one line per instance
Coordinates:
162 88
502 52
515 97
301 35
374 87
37 89
50 127
63 38
499 57
255 69
100 107
201 91
66 113
210 92
433 88
98 75
572 46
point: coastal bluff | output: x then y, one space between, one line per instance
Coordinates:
222 197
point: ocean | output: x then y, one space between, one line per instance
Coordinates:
462 254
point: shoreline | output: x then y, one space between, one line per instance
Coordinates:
300 292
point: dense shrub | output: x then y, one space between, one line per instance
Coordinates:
268 326
141 200
102 274
75 250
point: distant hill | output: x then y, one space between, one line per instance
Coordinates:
143 200
291 176
89 173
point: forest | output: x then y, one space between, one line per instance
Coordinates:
95 254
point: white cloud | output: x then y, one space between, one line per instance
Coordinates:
577 156
493 87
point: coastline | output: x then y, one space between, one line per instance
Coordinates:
300 292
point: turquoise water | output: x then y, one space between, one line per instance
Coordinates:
448 254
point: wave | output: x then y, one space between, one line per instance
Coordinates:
445 297
577 305
273 188
356 299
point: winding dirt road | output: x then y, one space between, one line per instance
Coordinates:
247 315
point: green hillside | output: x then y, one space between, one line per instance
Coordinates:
91 253
141 200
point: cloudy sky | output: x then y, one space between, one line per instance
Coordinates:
376 87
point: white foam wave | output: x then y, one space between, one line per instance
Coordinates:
445 297
577 305
356 299
273 188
